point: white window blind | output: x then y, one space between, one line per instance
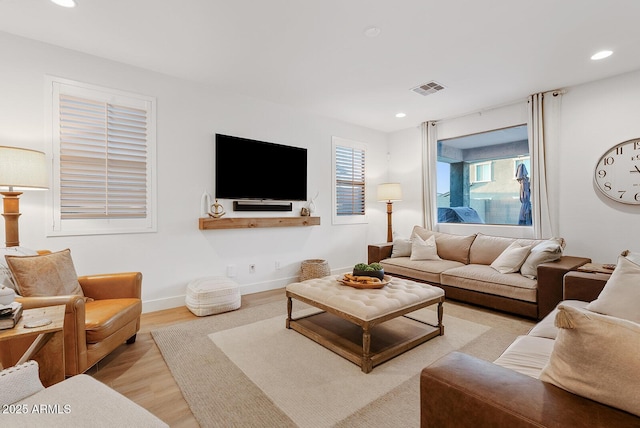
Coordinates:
350 181
103 152
103 159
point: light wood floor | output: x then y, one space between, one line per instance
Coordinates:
139 372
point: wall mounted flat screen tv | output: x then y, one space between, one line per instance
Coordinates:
258 170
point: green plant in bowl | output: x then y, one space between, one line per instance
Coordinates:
374 269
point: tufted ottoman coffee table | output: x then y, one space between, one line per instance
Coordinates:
351 324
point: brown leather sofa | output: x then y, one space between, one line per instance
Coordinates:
460 390
98 323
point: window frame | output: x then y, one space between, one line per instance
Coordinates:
350 218
488 164
56 225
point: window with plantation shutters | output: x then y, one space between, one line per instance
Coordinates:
103 154
349 187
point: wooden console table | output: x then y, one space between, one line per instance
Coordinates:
252 222
43 344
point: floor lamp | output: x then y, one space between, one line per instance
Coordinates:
389 192
20 169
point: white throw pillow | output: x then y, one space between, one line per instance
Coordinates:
546 251
620 296
510 260
401 247
19 382
596 356
424 250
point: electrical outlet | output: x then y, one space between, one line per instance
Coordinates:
231 271
252 268
277 265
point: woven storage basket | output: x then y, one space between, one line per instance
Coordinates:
314 268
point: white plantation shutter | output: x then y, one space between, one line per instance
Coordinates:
350 181
102 159
103 151
349 187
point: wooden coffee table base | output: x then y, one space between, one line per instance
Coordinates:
365 343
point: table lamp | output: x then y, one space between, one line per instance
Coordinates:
389 192
20 169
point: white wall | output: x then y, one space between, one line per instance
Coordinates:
188 117
593 118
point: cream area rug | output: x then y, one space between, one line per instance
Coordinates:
245 369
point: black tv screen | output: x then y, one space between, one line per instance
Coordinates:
258 170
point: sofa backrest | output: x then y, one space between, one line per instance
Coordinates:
486 248
450 247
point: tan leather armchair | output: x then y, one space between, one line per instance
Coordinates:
98 323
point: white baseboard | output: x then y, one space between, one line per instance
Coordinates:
177 301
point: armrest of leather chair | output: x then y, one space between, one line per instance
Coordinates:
75 336
112 285
550 281
460 391
377 252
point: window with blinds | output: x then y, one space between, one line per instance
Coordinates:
103 152
349 173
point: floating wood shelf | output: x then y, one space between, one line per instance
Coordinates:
251 222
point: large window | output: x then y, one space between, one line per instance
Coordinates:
476 179
349 181
103 150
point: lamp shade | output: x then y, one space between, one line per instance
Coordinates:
22 169
388 192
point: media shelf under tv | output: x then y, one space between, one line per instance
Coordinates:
253 222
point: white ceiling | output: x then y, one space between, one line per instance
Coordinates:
313 55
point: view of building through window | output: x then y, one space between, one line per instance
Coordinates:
480 180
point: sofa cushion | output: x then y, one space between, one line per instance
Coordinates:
547 326
596 356
487 280
510 260
527 355
450 247
542 252
421 270
401 247
50 274
486 248
424 249
105 317
620 296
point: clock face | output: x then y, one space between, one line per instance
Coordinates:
617 174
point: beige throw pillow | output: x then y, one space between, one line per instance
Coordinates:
596 356
620 296
401 247
546 251
510 260
424 249
45 275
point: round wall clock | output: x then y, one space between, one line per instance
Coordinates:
617 173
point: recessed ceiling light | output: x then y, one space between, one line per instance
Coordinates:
601 55
65 3
371 31
400 115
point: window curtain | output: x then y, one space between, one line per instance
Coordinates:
543 127
429 158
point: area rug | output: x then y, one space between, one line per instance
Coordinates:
244 368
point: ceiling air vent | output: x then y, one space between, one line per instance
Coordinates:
428 88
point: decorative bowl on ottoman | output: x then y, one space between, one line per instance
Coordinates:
374 269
